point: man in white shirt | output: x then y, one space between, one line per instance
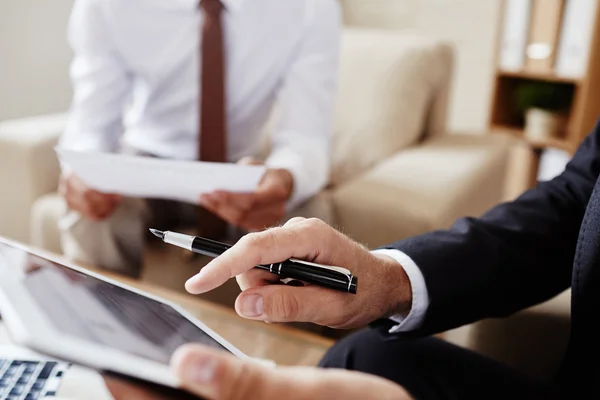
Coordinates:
197 80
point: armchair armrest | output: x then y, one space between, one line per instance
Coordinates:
423 188
532 341
29 169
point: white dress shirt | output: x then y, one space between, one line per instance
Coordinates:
136 80
420 296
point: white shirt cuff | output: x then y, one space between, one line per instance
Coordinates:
420 296
307 181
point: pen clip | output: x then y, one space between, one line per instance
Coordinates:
341 270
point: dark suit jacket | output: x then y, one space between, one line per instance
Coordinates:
520 254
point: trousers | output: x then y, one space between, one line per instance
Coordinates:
432 369
117 243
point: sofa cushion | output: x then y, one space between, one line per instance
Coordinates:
423 188
388 84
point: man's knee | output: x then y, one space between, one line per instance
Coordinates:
367 350
371 352
115 243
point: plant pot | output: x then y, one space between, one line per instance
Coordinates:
541 124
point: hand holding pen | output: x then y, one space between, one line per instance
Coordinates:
384 289
334 278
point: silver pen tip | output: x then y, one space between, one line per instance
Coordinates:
157 233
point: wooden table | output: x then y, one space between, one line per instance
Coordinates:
280 343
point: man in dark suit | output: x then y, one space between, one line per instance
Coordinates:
517 255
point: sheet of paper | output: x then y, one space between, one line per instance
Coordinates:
147 177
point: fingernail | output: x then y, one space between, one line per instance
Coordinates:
200 371
252 306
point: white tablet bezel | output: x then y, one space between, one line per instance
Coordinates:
30 327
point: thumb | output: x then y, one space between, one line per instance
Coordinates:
214 374
285 303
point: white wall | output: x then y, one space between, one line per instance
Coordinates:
34 57
471 25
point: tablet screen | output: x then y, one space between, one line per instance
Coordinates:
94 310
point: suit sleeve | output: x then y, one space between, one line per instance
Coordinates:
518 254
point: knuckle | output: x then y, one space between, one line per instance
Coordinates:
315 223
229 272
270 236
250 240
265 241
295 220
249 243
294 235
284 307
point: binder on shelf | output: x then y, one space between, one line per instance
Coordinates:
515 30
576 38
544 33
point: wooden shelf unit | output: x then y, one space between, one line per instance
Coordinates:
538 77
584 109
536 144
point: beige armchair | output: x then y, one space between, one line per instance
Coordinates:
533 341
396 171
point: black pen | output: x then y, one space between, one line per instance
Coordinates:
335 278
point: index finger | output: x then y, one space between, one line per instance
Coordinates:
304 240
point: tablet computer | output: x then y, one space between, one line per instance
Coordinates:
75 315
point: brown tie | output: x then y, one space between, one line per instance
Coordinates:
213 125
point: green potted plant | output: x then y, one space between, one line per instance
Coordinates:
543 106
